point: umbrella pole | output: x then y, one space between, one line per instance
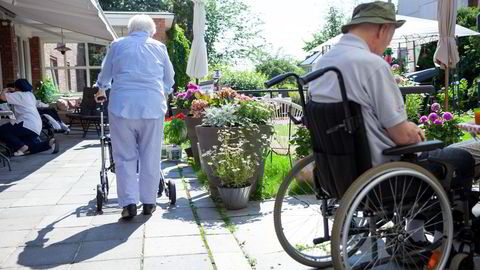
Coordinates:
445 101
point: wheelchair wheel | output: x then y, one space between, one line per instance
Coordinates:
298 218
172 192
390 196
461 261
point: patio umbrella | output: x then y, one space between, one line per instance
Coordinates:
446 55
197 66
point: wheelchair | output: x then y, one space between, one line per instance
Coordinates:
351 215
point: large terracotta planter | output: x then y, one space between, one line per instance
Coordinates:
208 137
192 135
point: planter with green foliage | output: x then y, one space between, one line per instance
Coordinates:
45 91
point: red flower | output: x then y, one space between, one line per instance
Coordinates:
168 119
180 116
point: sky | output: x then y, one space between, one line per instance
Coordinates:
289 22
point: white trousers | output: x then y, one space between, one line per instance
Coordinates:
132 140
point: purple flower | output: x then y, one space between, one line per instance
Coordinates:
423 119
433 116
435 107
438 122
192 86
447 116
182 95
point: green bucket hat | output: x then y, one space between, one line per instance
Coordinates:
377 12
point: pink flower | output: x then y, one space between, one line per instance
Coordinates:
435 107
438 122
423 119
447 116
433 116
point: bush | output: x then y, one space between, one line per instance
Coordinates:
302 142
45 91
243 80
178 48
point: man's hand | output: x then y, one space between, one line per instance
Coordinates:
406 133
100 96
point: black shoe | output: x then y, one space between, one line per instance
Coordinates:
148 209
129 211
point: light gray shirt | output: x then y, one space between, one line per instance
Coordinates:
369 82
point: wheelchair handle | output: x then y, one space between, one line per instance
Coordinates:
280 78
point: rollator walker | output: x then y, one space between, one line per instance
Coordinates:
351 215
103 187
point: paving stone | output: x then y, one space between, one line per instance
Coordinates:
222 243
14 224
12 194
171 228
214 227
46 255
109 250
20 187
175 245
13 238
129 264
19 212
231 261
208 214
115 231
50 236
278 261
64 221
184 262
4 253
6 203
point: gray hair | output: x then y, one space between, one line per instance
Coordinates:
142 23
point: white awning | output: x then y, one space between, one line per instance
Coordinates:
84 17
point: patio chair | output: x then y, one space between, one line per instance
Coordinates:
282 123
87 114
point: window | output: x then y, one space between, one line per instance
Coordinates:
75 69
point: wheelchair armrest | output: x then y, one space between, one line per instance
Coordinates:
413 148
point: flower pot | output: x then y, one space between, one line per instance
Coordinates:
192 135
208 137
234 198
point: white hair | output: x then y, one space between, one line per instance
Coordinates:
142 23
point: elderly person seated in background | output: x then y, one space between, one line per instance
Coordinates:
22 134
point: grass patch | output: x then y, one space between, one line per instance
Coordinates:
276 167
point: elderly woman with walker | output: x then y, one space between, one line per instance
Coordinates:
139 74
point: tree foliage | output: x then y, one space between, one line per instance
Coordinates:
468 47
334 21
272 65
178 50
135 5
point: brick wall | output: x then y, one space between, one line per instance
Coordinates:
160 35
8 48
35 55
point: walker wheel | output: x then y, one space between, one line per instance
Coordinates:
100 199
461 261
172 192
161 187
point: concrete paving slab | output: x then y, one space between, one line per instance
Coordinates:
278 261
13 238
14 224
12 194
64 221
171 228
19 212
208 214
222 243
129 264
35 201
4 253
51 236
184 262
115 231
5 203
173 246
36 256
109 250
231 261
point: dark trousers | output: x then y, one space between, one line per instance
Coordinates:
461 159
15 136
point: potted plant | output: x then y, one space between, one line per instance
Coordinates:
175 130
197 109
247 116
234 166
183 100
441 125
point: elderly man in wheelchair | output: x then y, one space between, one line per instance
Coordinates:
381 197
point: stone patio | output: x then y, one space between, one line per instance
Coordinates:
48 221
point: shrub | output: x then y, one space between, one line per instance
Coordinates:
302 142
178 48
243 80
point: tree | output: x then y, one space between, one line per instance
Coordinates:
272 65
468 47
335 20
135 5
178 50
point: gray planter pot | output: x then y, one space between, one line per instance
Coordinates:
192 135
234 198
208 137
